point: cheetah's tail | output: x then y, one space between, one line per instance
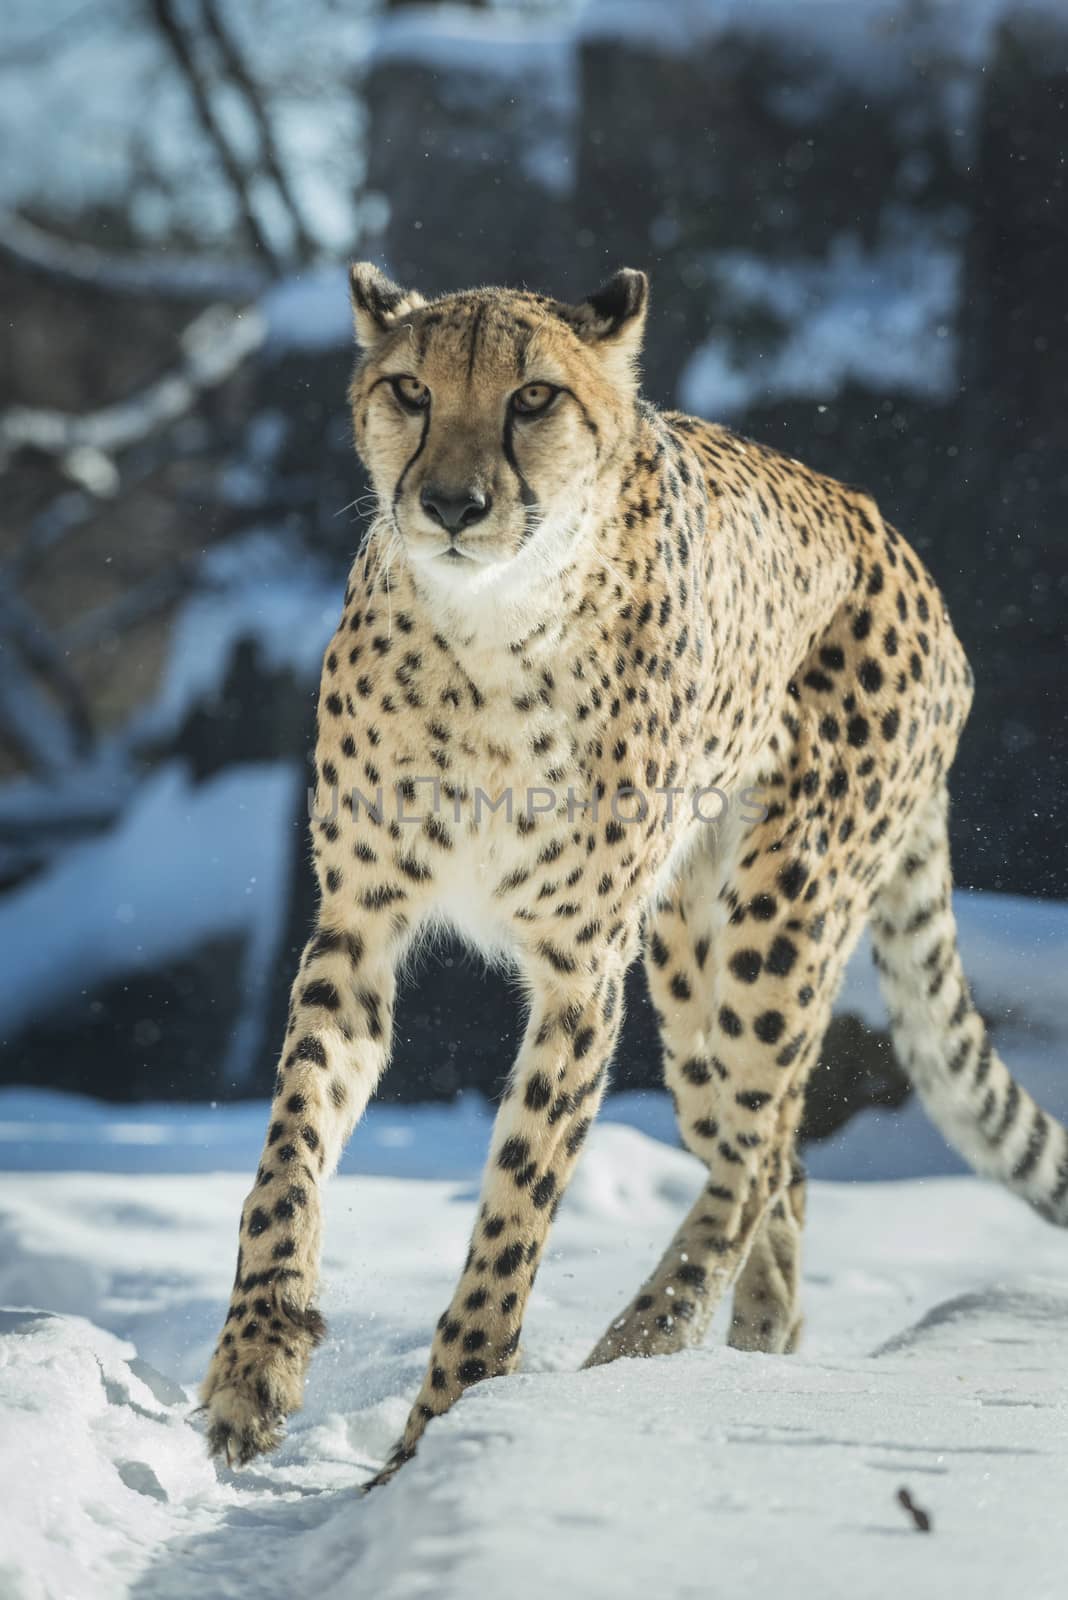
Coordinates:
942 1040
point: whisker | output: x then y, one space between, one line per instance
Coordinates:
363 503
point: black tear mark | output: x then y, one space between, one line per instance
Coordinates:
413 458
526 493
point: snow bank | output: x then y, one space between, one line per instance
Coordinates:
90 1465
935 1355
187 861
881 318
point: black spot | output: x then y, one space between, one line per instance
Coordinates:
792 879
539 1092
781 957
509 1259
858 731
310 1049
769 1027
871 675
730 1022
472 1371
258 1223
578 1133
515 1152
746 965
789 1053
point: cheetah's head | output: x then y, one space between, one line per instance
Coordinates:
488 420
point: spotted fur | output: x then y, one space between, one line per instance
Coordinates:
594 607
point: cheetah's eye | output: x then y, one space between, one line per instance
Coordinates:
412 394
533 398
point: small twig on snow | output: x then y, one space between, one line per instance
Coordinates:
921 1519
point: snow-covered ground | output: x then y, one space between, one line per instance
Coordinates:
935 1360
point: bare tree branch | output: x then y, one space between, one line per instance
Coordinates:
170 27
213 347
170 277
234 63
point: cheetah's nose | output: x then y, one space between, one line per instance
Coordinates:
455 511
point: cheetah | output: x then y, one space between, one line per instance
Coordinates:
575 619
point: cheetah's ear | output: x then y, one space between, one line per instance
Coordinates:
613 320
377 302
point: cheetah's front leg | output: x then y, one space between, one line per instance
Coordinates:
336 1045
553 1095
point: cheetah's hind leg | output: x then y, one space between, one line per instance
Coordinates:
766 1314
743 979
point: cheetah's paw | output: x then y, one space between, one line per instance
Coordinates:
247 1400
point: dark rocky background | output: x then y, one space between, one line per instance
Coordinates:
857 213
